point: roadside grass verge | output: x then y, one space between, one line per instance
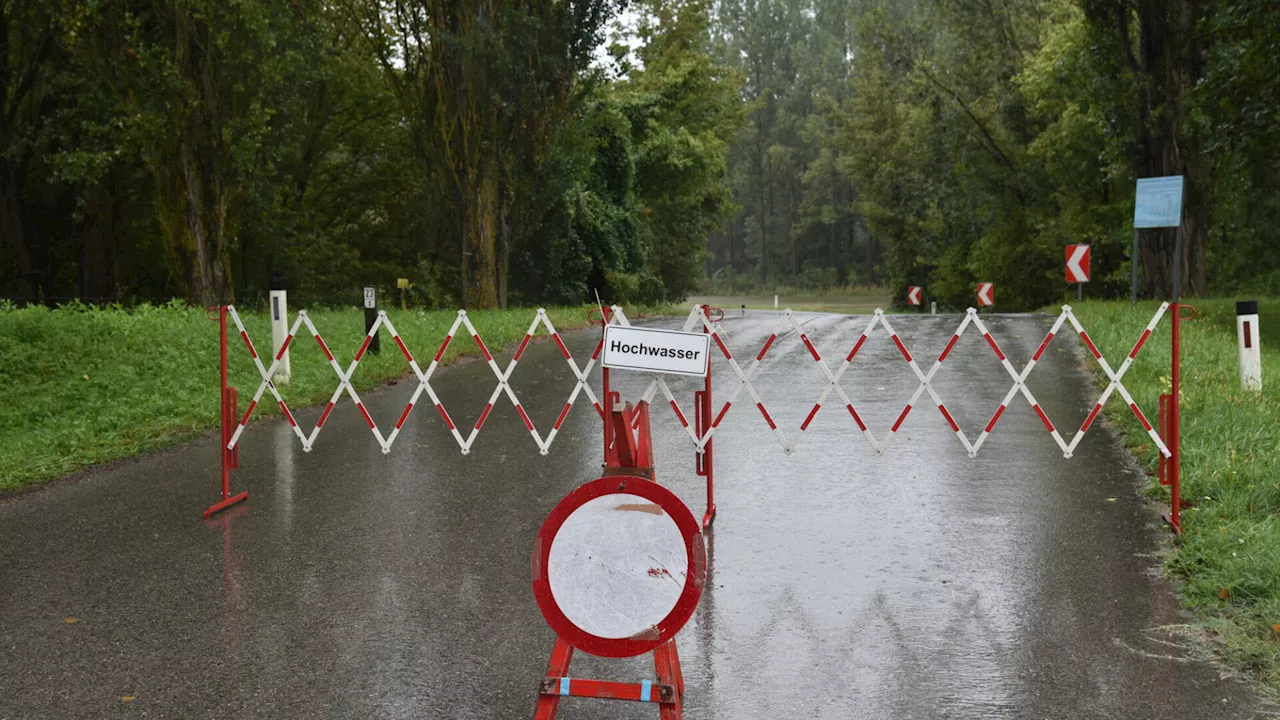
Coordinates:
1228 557
82 386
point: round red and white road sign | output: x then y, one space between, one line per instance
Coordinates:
618 566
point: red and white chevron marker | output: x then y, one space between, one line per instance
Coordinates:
1077 263
914 294
986 294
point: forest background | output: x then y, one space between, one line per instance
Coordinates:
506 152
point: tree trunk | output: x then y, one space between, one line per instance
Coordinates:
1167 68
504 246
483 210
11 231
100 242
204 229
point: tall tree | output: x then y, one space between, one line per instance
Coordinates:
30 53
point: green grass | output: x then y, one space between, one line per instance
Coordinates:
82 386
1228 557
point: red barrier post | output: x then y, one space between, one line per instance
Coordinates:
227 407
705 461
1175 401
608 394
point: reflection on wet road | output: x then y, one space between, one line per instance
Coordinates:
917 584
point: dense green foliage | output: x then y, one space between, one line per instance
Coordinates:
1229 551
943 142
80 386
494 153
487 151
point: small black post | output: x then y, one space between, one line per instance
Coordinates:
371 316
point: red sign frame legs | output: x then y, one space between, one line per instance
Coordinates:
230 412
667 693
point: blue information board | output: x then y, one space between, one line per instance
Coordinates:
1158 202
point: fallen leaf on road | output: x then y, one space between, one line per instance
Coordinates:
128 698
70 620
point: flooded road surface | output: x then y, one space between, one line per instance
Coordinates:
918 584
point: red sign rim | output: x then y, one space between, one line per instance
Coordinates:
690 531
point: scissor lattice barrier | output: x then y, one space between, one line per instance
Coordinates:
788 323
424 381
697 320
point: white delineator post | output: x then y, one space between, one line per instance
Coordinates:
279 328
933 307
1250 353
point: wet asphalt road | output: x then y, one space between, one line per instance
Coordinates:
920 584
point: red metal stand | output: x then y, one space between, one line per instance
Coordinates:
628 449
705 460
229 414
667 692
1173 468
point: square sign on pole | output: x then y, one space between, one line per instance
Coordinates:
1077 263
1158 202
986 294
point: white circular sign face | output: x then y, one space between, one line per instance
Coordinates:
617 566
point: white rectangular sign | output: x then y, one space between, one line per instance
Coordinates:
1158 202
369 298
664 351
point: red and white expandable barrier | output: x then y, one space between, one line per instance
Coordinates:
503 387
702 430
700 438
788 323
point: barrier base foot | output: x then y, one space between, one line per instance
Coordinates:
219 507
709 518
1168 520
667 693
